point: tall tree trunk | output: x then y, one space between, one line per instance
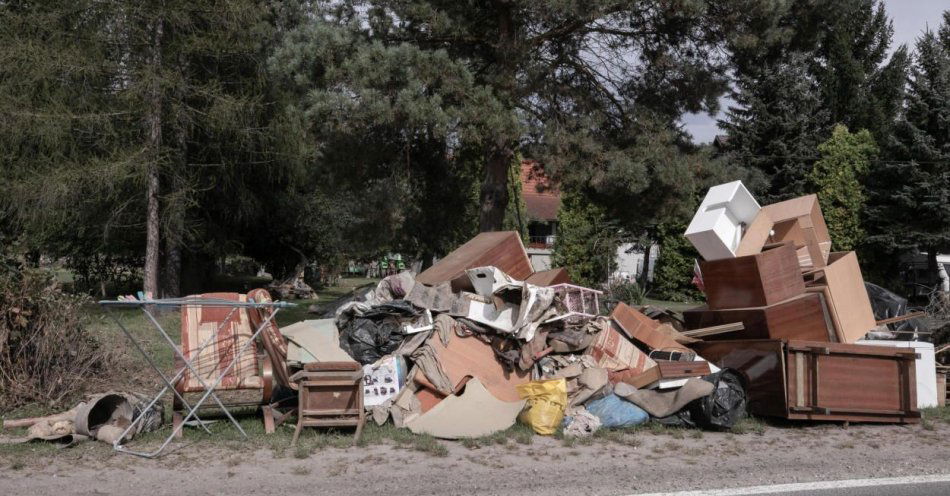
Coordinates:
175 230
494 194
153 121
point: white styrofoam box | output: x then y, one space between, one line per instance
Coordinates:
716 228
926 368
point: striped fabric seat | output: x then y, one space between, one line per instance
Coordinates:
201 323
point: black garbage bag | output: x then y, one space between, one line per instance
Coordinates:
887 304
376 333
725 406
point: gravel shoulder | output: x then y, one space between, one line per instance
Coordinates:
645 460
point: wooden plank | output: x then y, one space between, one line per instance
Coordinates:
502 249
900 318
642 329
549 277
636 378
756 235
753 281
847 297
677 370
714 330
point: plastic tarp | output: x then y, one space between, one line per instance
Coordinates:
614 411
886 304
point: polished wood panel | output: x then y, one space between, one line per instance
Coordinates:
549 277
502 249
848 299
642 329
813 380
680 369
753 281
761 363
756 235
801 317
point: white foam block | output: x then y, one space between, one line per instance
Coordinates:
716 228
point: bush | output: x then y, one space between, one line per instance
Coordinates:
673 276
46 354
628 292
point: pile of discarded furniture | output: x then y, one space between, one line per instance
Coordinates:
803 348
480 340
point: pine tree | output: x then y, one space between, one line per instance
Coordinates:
122 116
908 197
545 69
808 67
776 125
836 177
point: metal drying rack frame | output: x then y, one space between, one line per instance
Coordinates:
146 306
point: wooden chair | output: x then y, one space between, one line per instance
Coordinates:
228 329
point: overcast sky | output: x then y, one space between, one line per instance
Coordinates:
910 18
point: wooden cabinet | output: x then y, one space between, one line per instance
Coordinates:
801 317
811 380
753 281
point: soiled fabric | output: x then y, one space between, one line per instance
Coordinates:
580 423
614 411
426 358
664 403
584 380
525 356
535 308
393 287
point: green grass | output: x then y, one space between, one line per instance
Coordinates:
937 414
516 434
753 425
676 306
326 295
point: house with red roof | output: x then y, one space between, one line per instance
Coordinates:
542 200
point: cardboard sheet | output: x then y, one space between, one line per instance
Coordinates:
314 341
468 357
474 413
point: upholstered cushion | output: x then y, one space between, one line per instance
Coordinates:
228 330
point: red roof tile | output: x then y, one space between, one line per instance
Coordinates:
541 196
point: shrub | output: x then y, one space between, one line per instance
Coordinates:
628 292
46 354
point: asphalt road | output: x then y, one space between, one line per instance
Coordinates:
935 485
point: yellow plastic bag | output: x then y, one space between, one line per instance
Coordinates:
547 401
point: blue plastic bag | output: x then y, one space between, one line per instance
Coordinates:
614 411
